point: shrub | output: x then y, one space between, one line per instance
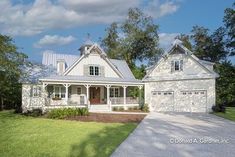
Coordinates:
219 108
115 108
145 108
120 108
34 113
67 112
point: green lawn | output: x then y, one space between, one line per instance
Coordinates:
22 136
230 113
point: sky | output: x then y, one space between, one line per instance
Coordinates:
61 26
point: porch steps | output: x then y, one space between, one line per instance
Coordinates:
99 108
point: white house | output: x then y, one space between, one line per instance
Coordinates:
180 82
90 80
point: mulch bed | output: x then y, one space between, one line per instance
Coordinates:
110 118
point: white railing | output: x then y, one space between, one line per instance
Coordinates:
120 100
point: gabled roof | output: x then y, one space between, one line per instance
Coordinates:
101 52
50 58
178 44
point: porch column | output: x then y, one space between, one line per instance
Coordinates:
140 99
66 92
87 95
44 95
108 101
124 97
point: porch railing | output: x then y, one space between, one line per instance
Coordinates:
120 100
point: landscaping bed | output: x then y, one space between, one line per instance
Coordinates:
109 118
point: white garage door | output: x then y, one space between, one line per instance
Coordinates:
162 101
191 101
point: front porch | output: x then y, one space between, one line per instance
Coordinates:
97 97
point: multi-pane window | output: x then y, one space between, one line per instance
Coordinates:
59 92
36 91
177 65
114 92
94 70
79 90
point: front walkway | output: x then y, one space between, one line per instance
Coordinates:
180 135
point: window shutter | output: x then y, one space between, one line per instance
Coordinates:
31 91
86 70
172 66
39 91
181 65
102 73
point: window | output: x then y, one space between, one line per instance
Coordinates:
60 66
59 92
177 65
36 91
94 70
114 92
79 90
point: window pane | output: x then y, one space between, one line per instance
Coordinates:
116 92
177 65
91 70
96 71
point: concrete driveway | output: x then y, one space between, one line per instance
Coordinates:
180 135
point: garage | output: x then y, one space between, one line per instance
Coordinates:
180 101
191 101
162 100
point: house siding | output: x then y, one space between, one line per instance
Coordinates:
93 59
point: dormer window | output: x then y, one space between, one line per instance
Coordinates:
60 66
94 70
176 65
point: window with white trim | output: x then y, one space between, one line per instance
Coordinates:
177 65
59 92
36 91
94 70
114 92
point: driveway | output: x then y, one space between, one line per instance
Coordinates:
180 135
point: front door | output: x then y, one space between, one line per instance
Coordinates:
95 95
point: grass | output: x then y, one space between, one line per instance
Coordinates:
23 136
229 114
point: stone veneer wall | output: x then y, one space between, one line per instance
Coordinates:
30 102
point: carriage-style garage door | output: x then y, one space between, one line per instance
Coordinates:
162 100
184 101
191 101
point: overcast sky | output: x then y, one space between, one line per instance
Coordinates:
62 25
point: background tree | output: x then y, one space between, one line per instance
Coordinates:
11 62
134 40
229 21
185 41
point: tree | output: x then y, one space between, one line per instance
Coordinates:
136 39
11 62
186 41
111 42
229 21
210 47
225 84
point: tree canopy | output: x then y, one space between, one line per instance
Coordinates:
135 39
11 62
